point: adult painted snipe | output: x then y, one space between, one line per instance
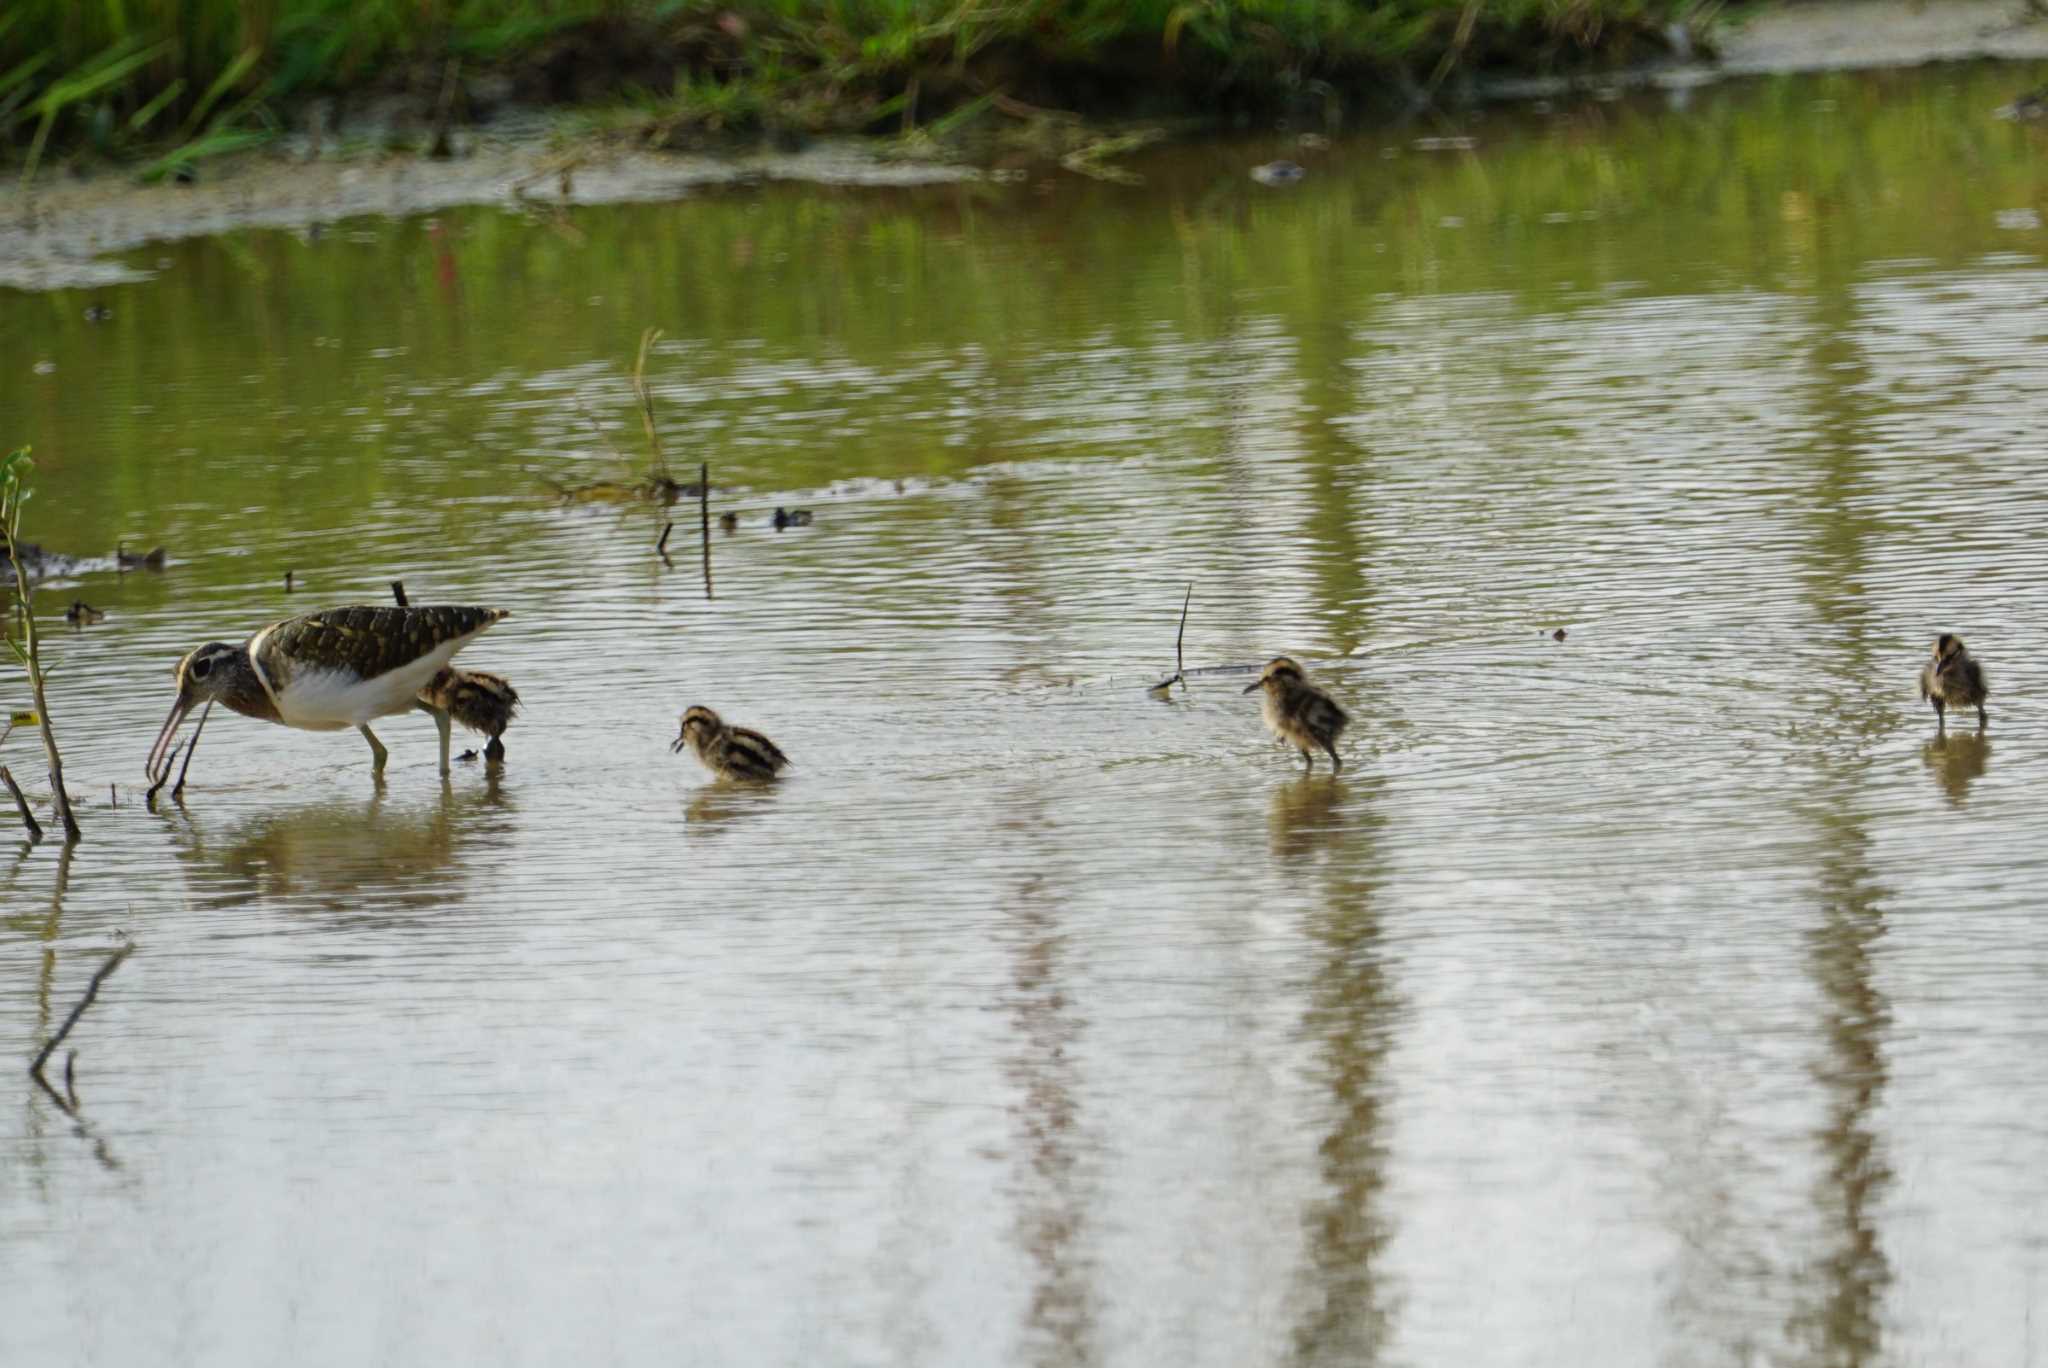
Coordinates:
342 667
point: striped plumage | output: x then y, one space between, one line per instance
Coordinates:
483 702
325 671
1299 713
1951 679
726 750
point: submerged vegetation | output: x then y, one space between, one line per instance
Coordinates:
178 81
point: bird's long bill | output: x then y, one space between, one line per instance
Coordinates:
159 754
1254 686
675 747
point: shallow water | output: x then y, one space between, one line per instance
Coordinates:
1665 994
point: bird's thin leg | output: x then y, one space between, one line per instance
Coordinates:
440 716
178 789
1981 722
1336 761
1308 762
1940 715
377 751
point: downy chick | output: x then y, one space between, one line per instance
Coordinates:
733 752
1952 680
484 703
1298 712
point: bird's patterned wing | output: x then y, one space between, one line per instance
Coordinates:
1319 713
364 641
753 754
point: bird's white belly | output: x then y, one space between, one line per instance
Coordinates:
329 700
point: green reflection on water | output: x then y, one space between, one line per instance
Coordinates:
323 374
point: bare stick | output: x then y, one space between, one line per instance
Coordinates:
398 592
1180 668
661 547
71 1080
113 796
58 797
28 819
178 788
704 518
92 990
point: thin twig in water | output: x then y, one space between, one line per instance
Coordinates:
398 592
1180 667
661 547
704 518
15 465
71 1080
92 990
28 819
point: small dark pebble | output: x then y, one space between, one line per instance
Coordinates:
1557 635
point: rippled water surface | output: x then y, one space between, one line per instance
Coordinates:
1666 994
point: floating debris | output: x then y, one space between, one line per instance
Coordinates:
792 517
149 560
1278 173
654 489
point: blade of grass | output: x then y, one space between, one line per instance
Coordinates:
110 67
214 143
221 85
140 119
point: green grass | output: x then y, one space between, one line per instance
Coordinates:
158 79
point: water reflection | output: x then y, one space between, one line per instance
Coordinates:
347 857
1301 815
1957 760
1841 1319
717 805
1352 1015
1060 1315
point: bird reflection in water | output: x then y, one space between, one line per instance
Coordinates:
715 806
1957 760
1304 815
344 856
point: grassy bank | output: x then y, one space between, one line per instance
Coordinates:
173 80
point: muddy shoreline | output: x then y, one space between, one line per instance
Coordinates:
62 234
